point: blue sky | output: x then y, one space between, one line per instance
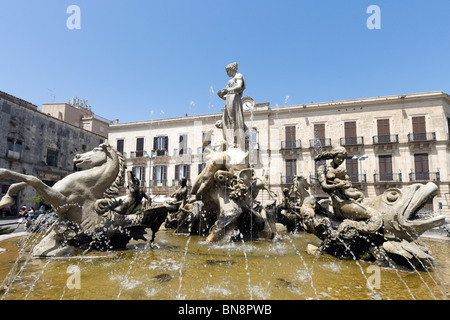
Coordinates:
138 60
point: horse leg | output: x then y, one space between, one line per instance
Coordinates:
8 198
52 196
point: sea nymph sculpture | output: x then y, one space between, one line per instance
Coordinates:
383 230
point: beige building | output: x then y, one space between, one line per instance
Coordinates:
78 113
391 141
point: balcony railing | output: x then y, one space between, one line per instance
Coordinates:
138 154
352 141
385 139
320 143
291 144
159 183
176 182
160 152
358 178
425 176
422 137
181 151
287 179
387 177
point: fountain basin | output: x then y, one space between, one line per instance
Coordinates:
187 267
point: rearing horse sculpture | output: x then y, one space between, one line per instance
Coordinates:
75 196
81 201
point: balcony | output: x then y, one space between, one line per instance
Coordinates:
358 178
422 137
158 183
182 151
13 154
176 182
387 177
160 152
287 179
352 141
291 144
385 139
425 176
320 143
138 154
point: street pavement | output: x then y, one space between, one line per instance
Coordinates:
11 222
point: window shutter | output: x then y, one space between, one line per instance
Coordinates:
177 172
166 142
188 172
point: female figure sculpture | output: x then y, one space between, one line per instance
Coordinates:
346 200
233 125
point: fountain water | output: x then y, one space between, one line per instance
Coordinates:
229 247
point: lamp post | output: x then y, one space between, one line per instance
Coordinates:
361 158
150 157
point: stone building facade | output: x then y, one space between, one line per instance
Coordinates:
392 141
37 144
79 114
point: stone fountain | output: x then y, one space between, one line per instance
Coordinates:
224 207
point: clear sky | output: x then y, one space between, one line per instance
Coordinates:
138 60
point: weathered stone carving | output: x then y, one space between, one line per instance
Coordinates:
227 186
384 230
84 203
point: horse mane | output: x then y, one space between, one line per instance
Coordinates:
113 189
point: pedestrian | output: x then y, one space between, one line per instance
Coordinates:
31 213
23 215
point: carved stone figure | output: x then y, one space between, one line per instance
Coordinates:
81 202
227 186
233 125
346 200
383 230
134 198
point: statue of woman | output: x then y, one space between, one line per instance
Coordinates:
233 125
346 200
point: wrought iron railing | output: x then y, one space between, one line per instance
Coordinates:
425 176
352 141
385 139
387 177
317 143
421 137
291 144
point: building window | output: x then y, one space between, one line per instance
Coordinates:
52 158
182 170
161 145
206 138
139 173
289 135
422 171
139 147
350 133
14 149
159 176
352 169
385 166
182 144
291 171
120 145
